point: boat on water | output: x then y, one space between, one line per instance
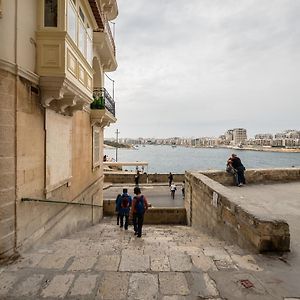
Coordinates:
174 146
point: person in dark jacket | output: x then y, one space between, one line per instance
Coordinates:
170 177
137 177
139 207
118 202
236 164
125 204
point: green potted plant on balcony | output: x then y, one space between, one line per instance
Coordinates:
98 103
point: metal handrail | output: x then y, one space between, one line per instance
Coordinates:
58 202
109 102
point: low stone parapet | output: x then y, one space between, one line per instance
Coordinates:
154 215
128 177
257 176
215 209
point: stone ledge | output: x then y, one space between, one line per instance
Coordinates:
154 215
254 176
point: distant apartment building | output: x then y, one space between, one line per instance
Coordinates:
235 136
228 136
239 136
54 108
261 136
288 138
204 142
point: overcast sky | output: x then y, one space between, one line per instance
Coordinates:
199 67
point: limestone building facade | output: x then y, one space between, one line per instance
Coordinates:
53 57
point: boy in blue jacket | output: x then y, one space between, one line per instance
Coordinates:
125 204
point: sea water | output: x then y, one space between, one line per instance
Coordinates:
165 159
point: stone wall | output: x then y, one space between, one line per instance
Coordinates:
154 215
7 162
128 177
43 222
23 172
214 208
254 176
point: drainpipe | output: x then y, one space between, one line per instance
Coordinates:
15 115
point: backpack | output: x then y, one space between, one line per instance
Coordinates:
124 201
139 205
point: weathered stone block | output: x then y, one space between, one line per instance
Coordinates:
7 134
113 286
143 286
58 286
7 196
171 283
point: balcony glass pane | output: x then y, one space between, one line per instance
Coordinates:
50 13
89 51
89 31
72 20
82 38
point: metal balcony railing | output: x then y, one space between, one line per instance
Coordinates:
102 99
110 35
104 26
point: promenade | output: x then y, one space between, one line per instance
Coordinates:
158 195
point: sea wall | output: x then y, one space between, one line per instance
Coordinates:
214 208
154 215
128 177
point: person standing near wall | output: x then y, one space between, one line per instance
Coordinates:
173 189
139 207
170 177
137 178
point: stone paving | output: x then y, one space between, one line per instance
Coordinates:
158 195
168 263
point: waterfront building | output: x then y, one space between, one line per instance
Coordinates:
53 57
293 134
239 136
228 136
262 136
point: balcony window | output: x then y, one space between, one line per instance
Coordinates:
82 38
89 47
72 21
50 13
82 34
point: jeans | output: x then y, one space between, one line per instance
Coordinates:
138 220
240 177
118 217
126 215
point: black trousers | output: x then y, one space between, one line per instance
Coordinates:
138 221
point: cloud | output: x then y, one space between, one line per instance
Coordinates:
197 68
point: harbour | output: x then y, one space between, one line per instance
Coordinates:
164 159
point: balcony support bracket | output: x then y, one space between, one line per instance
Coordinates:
62 96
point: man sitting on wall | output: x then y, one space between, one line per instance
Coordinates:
235 167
